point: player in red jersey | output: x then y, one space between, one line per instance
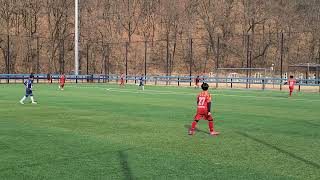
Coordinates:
291 83
49 78
203 110
122 80
62 81
197 82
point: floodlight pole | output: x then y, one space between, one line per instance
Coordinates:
87 58
248 57
76 38
308 72
38 58
127 44
250 64
145 58
281 61
217 62
191 61
318 63
8 56
167 59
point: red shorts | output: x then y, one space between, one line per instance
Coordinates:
291 89
203 116
121 81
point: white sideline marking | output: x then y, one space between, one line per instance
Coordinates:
193 94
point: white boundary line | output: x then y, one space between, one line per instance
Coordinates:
194 94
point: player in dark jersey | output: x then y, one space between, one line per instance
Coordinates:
28 85
141 82
203 110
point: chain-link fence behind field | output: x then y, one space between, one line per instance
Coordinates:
262 83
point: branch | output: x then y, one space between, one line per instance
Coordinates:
263 52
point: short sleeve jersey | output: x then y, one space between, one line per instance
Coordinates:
28 84
197 80
202 102
141 80
291 83
62 79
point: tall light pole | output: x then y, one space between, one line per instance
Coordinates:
76 38
281 60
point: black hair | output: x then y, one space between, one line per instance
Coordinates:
31 76
291 76
205 86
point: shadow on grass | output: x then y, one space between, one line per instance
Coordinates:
313 164
122 155
196 129
311 123
125 165
52 161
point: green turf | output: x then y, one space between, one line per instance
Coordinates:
87 132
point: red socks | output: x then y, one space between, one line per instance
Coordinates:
210 123
193 125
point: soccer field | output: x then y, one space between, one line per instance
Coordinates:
89 132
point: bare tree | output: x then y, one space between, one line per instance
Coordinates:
59 26
164 27
129 14
7 10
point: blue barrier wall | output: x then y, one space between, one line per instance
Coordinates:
164 80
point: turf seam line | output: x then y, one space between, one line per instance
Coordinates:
292 155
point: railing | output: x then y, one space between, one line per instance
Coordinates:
257 83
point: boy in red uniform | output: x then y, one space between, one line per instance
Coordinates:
49 78
291 83
122 80
203 110
62 81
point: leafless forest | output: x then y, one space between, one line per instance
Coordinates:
157 36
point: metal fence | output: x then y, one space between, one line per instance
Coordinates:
216 82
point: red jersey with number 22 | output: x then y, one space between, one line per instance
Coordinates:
62 79
291 83
203 99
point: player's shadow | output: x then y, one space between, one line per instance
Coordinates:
123 156
196 129
53 161
313 164
311 123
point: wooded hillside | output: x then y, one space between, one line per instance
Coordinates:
170 35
